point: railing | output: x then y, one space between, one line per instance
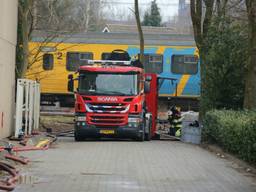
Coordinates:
27 107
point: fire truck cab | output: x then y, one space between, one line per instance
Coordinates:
114 99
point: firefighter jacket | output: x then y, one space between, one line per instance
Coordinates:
176 124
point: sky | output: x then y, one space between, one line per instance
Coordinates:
120 9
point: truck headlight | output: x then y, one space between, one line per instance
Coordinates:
134 120
80 118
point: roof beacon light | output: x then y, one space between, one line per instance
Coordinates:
108 62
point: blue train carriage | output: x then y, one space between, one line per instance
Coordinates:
180 60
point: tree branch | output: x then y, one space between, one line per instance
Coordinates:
208 16
137 15
196 15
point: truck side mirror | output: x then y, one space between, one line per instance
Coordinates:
70 83
146 87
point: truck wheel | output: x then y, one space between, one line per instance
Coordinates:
141 137
78 137
148 135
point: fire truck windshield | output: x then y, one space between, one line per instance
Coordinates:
118 84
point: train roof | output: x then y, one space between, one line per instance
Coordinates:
114 38
124 28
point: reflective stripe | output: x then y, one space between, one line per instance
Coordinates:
177 121
176 126
178 133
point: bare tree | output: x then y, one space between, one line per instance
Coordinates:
137 15
24 14
29 16
250 89
69 15
201 20
54 16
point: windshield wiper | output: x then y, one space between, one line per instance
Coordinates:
116 93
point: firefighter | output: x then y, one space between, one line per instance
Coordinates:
175 120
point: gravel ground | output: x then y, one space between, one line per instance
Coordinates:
57 123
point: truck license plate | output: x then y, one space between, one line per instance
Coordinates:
107 132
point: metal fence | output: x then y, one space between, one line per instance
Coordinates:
27 107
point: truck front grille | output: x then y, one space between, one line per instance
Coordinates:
107 107
107 120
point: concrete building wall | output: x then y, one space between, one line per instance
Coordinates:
8 33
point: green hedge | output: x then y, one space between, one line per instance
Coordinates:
234 131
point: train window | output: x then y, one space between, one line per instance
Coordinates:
76 59
48 61
153 63
184 64
105 56
85 56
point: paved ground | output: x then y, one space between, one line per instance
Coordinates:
120 166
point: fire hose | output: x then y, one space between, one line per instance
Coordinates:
25 148
42 145
9 184
21 160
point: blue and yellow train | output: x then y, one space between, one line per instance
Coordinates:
53 58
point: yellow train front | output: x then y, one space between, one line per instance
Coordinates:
53 57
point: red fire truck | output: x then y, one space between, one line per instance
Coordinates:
114 98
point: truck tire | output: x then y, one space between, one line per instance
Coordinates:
78 137
148 123
148 135
141 137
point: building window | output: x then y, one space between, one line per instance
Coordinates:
76 59
153 63
184 64
48 61
105 56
